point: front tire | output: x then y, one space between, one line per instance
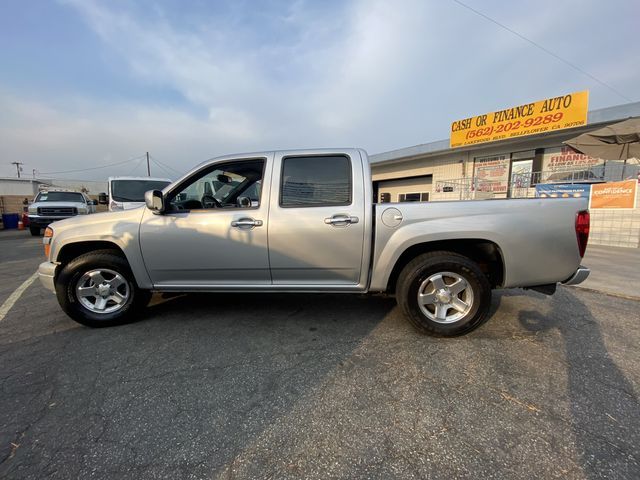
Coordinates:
35 231
97 289
444 294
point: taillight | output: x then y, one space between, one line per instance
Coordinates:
48 234
582 230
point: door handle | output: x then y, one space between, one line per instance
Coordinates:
341 220
246 223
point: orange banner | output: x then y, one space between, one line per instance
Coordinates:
614 195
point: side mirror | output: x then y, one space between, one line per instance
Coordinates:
154 201
244 202
103 198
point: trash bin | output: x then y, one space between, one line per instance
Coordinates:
10 220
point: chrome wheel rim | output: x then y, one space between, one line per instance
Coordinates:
445 297
103 291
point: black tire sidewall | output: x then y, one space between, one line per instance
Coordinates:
455 264
71 273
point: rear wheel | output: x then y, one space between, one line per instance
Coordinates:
444 294
98 290
35 231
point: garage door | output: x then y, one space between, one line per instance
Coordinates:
415 189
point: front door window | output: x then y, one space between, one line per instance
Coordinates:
228 185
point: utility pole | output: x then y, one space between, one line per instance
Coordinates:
17 164
148 167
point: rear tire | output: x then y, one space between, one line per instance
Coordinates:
35 231
97 289
444 294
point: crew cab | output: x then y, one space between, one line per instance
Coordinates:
57 204
305 221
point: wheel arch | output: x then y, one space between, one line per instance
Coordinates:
486 253
72 250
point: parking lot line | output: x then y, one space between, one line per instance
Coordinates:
13 298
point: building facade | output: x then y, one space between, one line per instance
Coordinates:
511 169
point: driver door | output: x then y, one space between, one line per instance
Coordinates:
210 235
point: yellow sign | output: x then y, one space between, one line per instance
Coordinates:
556 113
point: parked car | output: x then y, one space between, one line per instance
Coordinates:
57 204
128 192
312 228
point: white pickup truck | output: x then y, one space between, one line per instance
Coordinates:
57 204
305 221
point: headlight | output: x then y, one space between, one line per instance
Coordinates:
33 209
82 210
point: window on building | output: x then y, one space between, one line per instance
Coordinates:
414 197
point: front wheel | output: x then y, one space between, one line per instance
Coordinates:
444 294
97 289
35 231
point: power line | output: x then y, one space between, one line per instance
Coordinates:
546 50
165 165
92 168
136 165
163 168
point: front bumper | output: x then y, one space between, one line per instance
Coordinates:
579 276
43 222
47 275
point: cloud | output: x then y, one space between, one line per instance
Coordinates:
367 73
61 137
333 73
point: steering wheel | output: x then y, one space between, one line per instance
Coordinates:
209 201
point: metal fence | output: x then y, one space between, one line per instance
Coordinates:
523 185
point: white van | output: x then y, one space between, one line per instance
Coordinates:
128 192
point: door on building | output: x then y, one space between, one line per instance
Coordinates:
521 171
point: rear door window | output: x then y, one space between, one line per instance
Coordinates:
315 181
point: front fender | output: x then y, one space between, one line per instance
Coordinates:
120 228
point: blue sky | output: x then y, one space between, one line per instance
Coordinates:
85 83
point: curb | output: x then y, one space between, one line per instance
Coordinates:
611 294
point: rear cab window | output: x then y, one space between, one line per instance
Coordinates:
316 181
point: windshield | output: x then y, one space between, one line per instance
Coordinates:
60 197
134 190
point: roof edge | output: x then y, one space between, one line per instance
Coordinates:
601 115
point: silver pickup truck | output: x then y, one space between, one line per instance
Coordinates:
305 221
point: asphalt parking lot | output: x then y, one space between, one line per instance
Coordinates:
326 386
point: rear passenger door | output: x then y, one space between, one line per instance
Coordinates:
317 220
